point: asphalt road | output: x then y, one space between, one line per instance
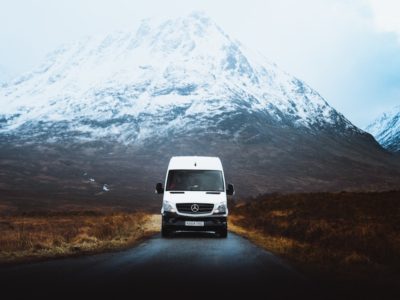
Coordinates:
186 265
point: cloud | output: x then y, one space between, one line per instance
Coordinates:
386 16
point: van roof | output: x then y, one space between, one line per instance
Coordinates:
194 163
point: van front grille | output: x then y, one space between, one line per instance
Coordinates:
195 208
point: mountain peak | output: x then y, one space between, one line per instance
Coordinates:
181 74
199 15
194 20
386 129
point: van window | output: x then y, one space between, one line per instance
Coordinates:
195 180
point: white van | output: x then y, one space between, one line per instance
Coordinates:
195 196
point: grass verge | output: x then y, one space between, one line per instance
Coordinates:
47 235
348 237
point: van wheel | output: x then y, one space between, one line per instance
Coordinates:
223 233
165 232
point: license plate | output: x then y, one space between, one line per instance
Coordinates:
194 223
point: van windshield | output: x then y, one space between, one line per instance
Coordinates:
195 180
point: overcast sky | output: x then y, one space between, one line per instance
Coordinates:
348 50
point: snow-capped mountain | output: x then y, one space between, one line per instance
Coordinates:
119 106
179 76
386 129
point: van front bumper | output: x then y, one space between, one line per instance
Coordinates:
176 222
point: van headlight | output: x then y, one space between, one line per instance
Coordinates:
221 209
168 207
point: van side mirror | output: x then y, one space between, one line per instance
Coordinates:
159 188
230 190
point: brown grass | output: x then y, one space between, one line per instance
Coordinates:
71 233
346 235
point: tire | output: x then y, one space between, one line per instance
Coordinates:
165 231
223 233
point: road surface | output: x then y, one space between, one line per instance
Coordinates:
181 267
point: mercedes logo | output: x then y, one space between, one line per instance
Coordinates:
195 207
